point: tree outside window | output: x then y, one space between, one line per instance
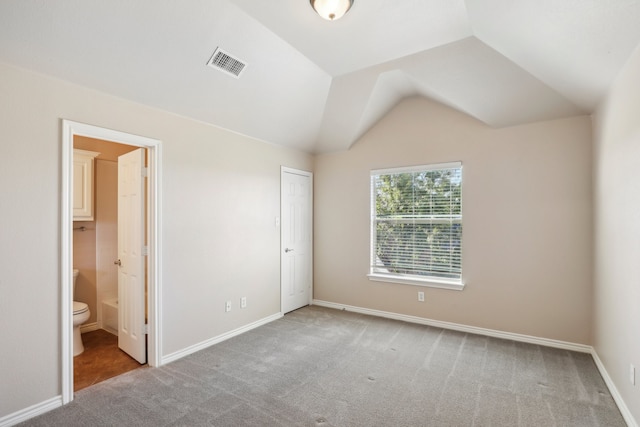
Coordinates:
417 222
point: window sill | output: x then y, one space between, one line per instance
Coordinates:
431 283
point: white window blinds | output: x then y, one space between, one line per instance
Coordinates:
416 222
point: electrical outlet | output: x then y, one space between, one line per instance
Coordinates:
632 374
243 302
227 306
421 296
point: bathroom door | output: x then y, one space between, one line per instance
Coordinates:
131 255
296 239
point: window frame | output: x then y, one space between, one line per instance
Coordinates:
428 281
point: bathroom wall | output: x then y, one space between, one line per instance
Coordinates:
84 259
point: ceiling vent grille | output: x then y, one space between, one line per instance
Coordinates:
226 63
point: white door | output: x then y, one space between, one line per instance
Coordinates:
296 239
131 258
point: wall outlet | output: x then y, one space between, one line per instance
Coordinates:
227 306
632 374
243 302
421 296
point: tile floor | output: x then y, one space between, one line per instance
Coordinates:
101 360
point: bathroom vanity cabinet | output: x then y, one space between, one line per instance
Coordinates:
83 166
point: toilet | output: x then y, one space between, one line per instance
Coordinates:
80 315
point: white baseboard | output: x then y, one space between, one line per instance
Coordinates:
89 327
31 411
461 328
215 340
622 406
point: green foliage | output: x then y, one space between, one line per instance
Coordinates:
418 223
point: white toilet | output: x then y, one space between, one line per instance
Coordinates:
80 315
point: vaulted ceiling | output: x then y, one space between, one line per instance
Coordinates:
318 85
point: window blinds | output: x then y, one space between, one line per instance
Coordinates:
416 224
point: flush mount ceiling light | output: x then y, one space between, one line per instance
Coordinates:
331 9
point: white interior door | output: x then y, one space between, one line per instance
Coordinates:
296 239
131 271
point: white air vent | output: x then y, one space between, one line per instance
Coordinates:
226 63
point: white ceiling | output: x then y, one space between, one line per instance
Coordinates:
318 85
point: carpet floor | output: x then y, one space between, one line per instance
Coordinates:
324 367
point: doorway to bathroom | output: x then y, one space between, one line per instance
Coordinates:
118 275
102 230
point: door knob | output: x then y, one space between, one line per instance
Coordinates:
287 250
117 262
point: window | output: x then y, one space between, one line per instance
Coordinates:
416 225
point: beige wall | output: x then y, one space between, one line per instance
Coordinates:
527 221
221 193
617 232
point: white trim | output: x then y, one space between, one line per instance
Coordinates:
419 168
215 340
89 327
154 257
31 411
582 348
154 148
296 171
622 406
430 283
66 258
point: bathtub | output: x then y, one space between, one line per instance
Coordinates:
110 315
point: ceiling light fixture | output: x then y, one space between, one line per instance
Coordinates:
331 9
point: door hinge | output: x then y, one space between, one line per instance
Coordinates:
145 172
146 329
145 251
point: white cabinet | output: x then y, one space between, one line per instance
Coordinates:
83 184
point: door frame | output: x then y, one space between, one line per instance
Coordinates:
154 317
283 170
